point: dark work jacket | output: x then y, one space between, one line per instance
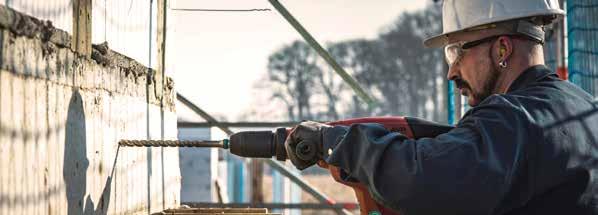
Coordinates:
533 150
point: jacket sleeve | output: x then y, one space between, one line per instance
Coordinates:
468 170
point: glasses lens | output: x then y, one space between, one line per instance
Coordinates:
451 53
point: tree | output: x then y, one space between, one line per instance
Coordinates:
395 68
420 68
366 61
291 71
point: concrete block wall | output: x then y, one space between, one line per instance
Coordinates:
59 12
61 116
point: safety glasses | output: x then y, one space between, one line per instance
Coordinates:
454 52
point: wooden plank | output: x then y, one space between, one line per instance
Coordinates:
161 43
257 175
81 42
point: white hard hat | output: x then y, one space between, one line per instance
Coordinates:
460 15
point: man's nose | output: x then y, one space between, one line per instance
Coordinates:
453 72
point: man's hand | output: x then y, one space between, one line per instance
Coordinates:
304 144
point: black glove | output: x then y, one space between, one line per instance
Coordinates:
304 144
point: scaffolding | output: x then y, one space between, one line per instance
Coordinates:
582 33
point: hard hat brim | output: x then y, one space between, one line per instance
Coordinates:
436 41
442 39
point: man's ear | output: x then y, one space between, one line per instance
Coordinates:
505 48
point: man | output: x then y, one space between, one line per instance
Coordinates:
528 145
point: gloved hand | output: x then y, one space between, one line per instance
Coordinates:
304 144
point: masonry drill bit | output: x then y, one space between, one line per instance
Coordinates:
175 143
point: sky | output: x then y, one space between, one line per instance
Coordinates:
216 58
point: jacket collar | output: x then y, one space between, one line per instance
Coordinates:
532 75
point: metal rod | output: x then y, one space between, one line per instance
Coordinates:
174 143
203 114
324 54
351 206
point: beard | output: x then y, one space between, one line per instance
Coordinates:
491 81
488 85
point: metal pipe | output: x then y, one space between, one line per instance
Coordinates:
203 114
324 54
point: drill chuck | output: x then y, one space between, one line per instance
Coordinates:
259 144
